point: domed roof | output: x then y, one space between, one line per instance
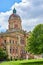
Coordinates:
14 14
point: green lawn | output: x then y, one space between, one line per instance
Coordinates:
24 62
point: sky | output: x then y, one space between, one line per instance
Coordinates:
30 11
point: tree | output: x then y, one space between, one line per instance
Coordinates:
3 55
35 41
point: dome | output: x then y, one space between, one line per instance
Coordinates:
14 15
14 21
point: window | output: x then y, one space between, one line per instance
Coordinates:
4 41
22 41
11 41
16 50
11 25
16 26
10 50
22 51
13 50
15 42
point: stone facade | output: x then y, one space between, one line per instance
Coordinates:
14 39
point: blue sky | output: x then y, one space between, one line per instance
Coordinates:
30 11
5 5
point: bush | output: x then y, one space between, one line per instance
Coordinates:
3 55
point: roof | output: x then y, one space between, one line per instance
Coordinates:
14 16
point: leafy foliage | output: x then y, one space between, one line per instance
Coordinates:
35 41
3 55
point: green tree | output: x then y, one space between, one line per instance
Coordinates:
35 41
3 55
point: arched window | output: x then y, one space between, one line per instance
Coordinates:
16 26
11 25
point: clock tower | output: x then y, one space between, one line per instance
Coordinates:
14 21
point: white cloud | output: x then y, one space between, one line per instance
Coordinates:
4 20
31 23
30 11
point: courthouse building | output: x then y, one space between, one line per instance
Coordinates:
14 39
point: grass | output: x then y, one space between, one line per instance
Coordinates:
24 62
